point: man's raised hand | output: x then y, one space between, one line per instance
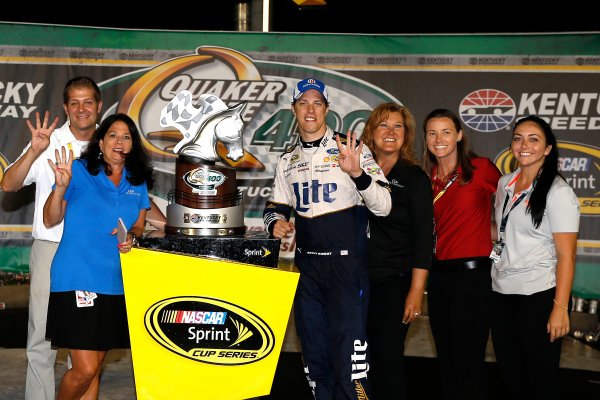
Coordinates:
40 134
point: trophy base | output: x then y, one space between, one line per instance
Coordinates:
254 248
226 221
171 230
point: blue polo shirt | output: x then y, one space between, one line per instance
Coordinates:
87 257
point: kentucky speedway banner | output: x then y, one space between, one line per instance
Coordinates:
489 80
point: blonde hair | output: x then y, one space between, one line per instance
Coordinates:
382 112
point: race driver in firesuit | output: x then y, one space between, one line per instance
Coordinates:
329 181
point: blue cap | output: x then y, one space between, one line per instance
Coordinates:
307 84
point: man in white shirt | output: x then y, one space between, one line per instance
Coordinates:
82 104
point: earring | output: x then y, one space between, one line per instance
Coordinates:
100 155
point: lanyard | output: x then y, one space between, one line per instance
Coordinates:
514 204
450 182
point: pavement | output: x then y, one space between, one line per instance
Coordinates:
580 362
117 379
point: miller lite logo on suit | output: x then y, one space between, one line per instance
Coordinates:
203 180
209 330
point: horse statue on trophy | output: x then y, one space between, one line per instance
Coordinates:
204 126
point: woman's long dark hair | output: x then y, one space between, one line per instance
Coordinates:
548 171
465 154
137 162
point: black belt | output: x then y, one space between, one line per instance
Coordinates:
461 264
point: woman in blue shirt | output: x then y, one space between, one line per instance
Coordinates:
86 311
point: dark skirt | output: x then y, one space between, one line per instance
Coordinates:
100 327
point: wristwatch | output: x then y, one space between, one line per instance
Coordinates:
134 241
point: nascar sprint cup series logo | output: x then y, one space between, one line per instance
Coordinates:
487 110
209 330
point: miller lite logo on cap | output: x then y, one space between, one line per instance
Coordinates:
310 83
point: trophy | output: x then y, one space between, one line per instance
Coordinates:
206 201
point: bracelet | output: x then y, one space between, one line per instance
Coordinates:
563 307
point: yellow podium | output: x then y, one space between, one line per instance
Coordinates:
202 328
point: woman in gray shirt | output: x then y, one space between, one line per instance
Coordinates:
537 214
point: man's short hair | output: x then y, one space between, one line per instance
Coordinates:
81 82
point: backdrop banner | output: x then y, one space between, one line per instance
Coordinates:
489 80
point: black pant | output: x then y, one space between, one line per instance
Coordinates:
387 333
527 360
459 314
331 307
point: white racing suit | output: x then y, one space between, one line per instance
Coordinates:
331 237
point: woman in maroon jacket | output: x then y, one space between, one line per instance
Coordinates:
459 288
